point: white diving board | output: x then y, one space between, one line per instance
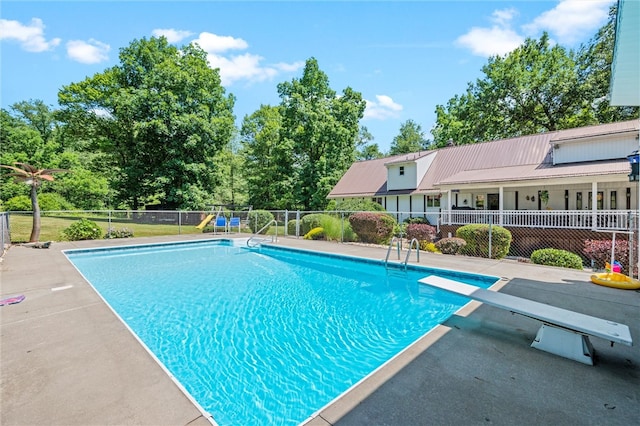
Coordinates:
563 332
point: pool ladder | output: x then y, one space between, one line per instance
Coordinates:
256 239
398 242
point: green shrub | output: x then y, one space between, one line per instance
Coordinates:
411 220
477 239
450 245
332 227
556 257
118 233
356 205
291 227
83 229
259 219
314 234
376 228
52 201
310 221
19 203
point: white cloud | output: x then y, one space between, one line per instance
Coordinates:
245 66
31 36
214 43
571 20
91 52
500 39
172 36
568 22
384 107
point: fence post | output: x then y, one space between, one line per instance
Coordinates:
490 236
286 222
109 227
298 224
342 227
179 223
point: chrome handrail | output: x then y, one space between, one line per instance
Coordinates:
398 241
406 259
255 235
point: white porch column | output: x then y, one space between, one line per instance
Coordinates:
501 204
594 205
449 202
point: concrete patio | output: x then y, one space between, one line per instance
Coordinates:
66 359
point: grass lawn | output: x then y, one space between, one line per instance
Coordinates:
51 227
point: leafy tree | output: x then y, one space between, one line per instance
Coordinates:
268 157
33 177
365 149
162 115
321 129
410 139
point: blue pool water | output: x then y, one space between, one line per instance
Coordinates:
266 336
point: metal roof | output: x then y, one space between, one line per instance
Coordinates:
523 159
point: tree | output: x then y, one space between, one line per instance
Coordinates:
321 129
268 157
33 177
162 115
410 139
365 150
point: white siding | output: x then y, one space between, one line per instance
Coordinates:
594 149
405 181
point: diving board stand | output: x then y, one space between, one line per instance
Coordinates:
563 332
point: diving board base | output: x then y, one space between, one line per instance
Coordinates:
565 343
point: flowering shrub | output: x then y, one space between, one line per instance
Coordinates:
376 228
430 247
450 245
82 230
421 232
556 257
118 233
600 251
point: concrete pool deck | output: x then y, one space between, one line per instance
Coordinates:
65 358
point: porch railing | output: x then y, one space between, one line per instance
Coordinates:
566 219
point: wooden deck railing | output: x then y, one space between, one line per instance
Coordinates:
566 219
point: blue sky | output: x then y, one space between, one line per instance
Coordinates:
404 57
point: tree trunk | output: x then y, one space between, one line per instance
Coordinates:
35 230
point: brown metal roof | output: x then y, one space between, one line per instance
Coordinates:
516 159
600 130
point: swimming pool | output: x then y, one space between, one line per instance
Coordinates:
266 336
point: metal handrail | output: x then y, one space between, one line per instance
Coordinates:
406 259
398 241
255 235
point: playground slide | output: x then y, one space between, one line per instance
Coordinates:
205 221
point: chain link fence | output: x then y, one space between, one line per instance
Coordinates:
594 246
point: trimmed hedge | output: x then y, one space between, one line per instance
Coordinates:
258 219
477 238
422 232
310 221
556 257
376 228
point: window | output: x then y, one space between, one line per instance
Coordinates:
599 200
613 200
578 200
433 201
480 202
401 170
377 200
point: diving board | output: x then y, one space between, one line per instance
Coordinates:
563 332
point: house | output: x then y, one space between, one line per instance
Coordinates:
575 178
